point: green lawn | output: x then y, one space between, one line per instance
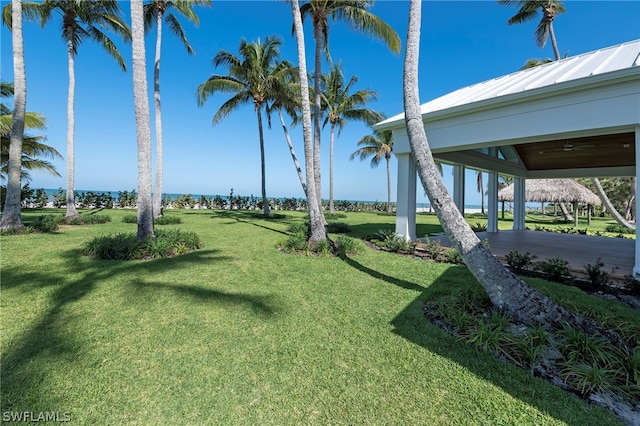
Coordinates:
239 333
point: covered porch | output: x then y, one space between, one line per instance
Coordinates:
577 117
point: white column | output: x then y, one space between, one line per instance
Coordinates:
492 185
492 218
518 204
636 267
406 197
458 186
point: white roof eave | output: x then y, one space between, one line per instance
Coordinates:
592 81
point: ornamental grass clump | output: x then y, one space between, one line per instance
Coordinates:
125 246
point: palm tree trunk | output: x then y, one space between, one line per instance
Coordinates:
565 212
317 111
317 230
157 194
505 289
607 202
388 185
332 209
71 126
554 43
12 209
296 163
143 126
265 202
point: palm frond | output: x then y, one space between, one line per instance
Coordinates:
177 30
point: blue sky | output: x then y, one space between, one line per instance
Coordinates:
462 43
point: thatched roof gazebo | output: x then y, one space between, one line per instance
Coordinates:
555 191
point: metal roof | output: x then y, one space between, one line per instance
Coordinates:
610 62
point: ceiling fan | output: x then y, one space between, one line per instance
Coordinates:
567 147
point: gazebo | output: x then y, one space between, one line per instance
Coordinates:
576 117
555 191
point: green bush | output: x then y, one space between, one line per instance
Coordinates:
557 269
599 278
619 229
295 243
48 222
125 246
348 246
518 262
130 218
167 220
92 219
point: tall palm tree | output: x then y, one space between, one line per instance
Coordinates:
32 146
12 209
317 231
339 106
288 98
82 20
155 13
528 10
355 13
253 77
505 289
378 145
143 125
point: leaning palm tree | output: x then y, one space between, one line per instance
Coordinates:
317 231
355 13
253 77
528 10
11 215
82 20
155 13
143 125
506 290
287 98
378 145
340 106
32 147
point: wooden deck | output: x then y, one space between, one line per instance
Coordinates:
617 254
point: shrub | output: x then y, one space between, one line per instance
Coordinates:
518 262
348 246
298 227
130 218
619 229
295 243
479 227
93 219
392 241
557 269
48 222
125 246
599 279
323 248
453 256
167 220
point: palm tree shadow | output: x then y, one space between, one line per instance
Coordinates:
384 277
51 338
412 325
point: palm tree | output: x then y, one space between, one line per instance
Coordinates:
83 20
356 14
143 126
155 13
528 10
317 231
288 98
32 146
379 145
253 77
339 106
505 289
480 187
12 209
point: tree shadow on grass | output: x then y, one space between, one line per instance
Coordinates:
51 342
412 325
384 277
